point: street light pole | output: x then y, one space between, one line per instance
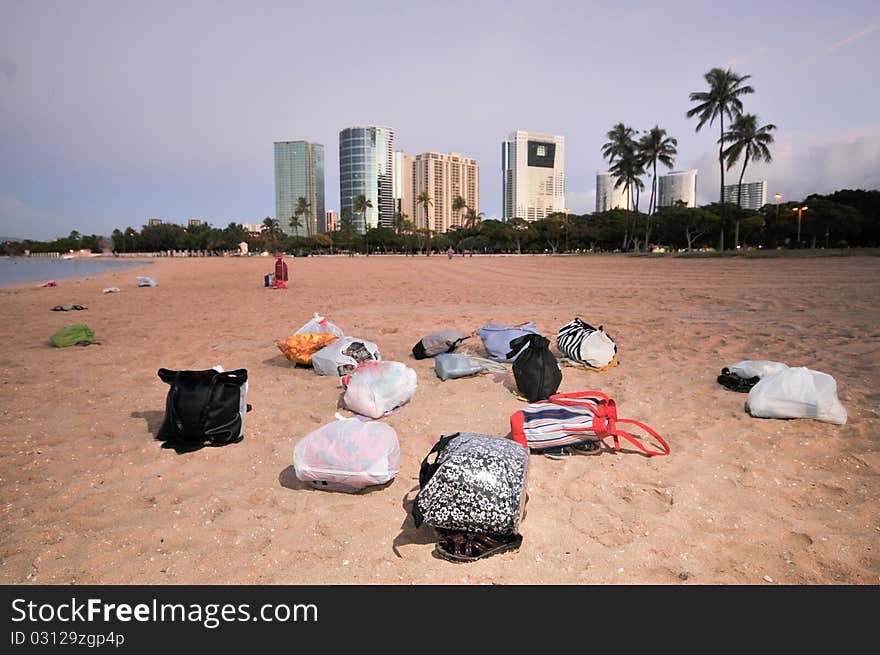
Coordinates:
800 211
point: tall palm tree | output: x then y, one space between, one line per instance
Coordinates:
627 172
621 145
302 209
746 138
424 199
458 203
655 146
472 217
722 99
361 205
620 139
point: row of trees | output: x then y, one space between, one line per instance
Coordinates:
844 218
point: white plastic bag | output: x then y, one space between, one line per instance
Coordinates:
752 368
319 324
797 393
348 455
343 355
375 388
144 281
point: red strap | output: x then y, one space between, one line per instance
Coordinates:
636 442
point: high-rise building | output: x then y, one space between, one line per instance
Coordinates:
677 186
366 168
754 194
533 167
445 177
299 173
403 185
331 220
609 196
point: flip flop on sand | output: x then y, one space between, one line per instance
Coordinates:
67 308
471 546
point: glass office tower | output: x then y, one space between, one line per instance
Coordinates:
299 173
366 164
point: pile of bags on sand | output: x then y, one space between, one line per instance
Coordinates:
472 487
778 391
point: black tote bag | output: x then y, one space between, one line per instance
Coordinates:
204 406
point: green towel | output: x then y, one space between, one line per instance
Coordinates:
71 335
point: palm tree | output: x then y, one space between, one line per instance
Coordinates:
627 172
458 203
655 146
621 145
361 205
302 209
472 217
424 199
399 222
746 138
620 139
722 99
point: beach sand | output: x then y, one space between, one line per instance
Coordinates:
88 495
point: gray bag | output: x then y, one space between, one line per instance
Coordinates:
476 484
449 366
439 342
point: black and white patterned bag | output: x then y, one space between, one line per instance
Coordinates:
477 483
583 344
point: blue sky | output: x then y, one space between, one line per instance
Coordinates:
115 112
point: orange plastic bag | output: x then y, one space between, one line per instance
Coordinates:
300 347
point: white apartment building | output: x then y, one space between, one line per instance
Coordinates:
533 168
677 186
609 196
754 194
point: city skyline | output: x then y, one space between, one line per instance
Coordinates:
87 145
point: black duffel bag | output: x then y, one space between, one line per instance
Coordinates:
204 406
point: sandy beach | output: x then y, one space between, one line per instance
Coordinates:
89 496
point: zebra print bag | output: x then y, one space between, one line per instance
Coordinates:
583 344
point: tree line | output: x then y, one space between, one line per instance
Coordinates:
845 218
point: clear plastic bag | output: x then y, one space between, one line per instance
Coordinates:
348 455
449 366
797 393
343 355
319 324
375 388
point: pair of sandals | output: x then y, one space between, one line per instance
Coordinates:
582 448
67 308
458 546
734 382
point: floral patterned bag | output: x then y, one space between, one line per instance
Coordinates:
477 483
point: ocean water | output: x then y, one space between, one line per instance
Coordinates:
15 270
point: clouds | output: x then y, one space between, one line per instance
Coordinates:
850 39
803 164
